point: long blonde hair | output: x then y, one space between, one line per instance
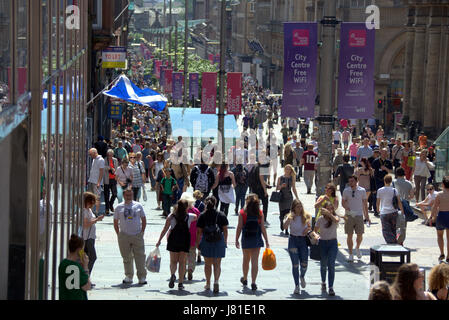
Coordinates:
305 217
292 172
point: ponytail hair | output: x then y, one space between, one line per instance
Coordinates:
210 203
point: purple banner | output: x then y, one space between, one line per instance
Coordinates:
193 85
178 79
300 64
356 75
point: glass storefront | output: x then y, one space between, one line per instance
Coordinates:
43 86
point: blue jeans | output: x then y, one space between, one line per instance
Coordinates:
180 183
299 254
240 193
328 250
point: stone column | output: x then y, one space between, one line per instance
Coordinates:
409 46
417 85
445 91
432 71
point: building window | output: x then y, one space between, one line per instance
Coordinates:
252 7
97 10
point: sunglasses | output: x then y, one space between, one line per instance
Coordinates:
132 157
429 189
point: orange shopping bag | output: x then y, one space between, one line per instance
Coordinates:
268 259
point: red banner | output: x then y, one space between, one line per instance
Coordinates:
157 65
209 93
234 97
168 80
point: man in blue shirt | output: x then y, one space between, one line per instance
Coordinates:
365 151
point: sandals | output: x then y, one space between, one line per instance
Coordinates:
216 287
441 257
243 281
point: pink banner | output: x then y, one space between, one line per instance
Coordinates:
168 80
157 65
209 93
234 98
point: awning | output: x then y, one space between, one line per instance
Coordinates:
124 89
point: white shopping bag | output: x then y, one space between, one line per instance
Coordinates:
153 263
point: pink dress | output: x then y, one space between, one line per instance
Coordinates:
193 226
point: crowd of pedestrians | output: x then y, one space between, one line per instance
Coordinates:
197 223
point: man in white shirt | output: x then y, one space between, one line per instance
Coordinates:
337 139
95 181
129 225
355 202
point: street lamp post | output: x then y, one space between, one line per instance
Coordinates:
186 65
169 35
222 79
326 118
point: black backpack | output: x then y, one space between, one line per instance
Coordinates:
212 233
251 227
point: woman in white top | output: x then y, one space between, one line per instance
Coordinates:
299 223
124 177
327 225
89 229
178 242
388 212
421 173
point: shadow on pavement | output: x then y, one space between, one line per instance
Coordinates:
248 291
211 294
128 286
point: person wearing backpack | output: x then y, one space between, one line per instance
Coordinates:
202 178
241 179
344 171
178 242
251 228
212 238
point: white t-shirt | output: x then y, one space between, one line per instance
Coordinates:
297 228
90 232
355 203
386 194
129 216
173 220
123 174
97 164
337 136
421 168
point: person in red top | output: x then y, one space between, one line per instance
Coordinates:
308 161
110 183
343 123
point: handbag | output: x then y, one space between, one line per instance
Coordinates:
153 262
395 200
311 239
276 196
315 253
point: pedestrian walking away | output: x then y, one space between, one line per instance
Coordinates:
389 203
212 239
178 242
251 228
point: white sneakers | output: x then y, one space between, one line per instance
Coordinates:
357 253
303 282
127 280
143 281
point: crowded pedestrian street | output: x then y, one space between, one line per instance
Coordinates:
233 154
